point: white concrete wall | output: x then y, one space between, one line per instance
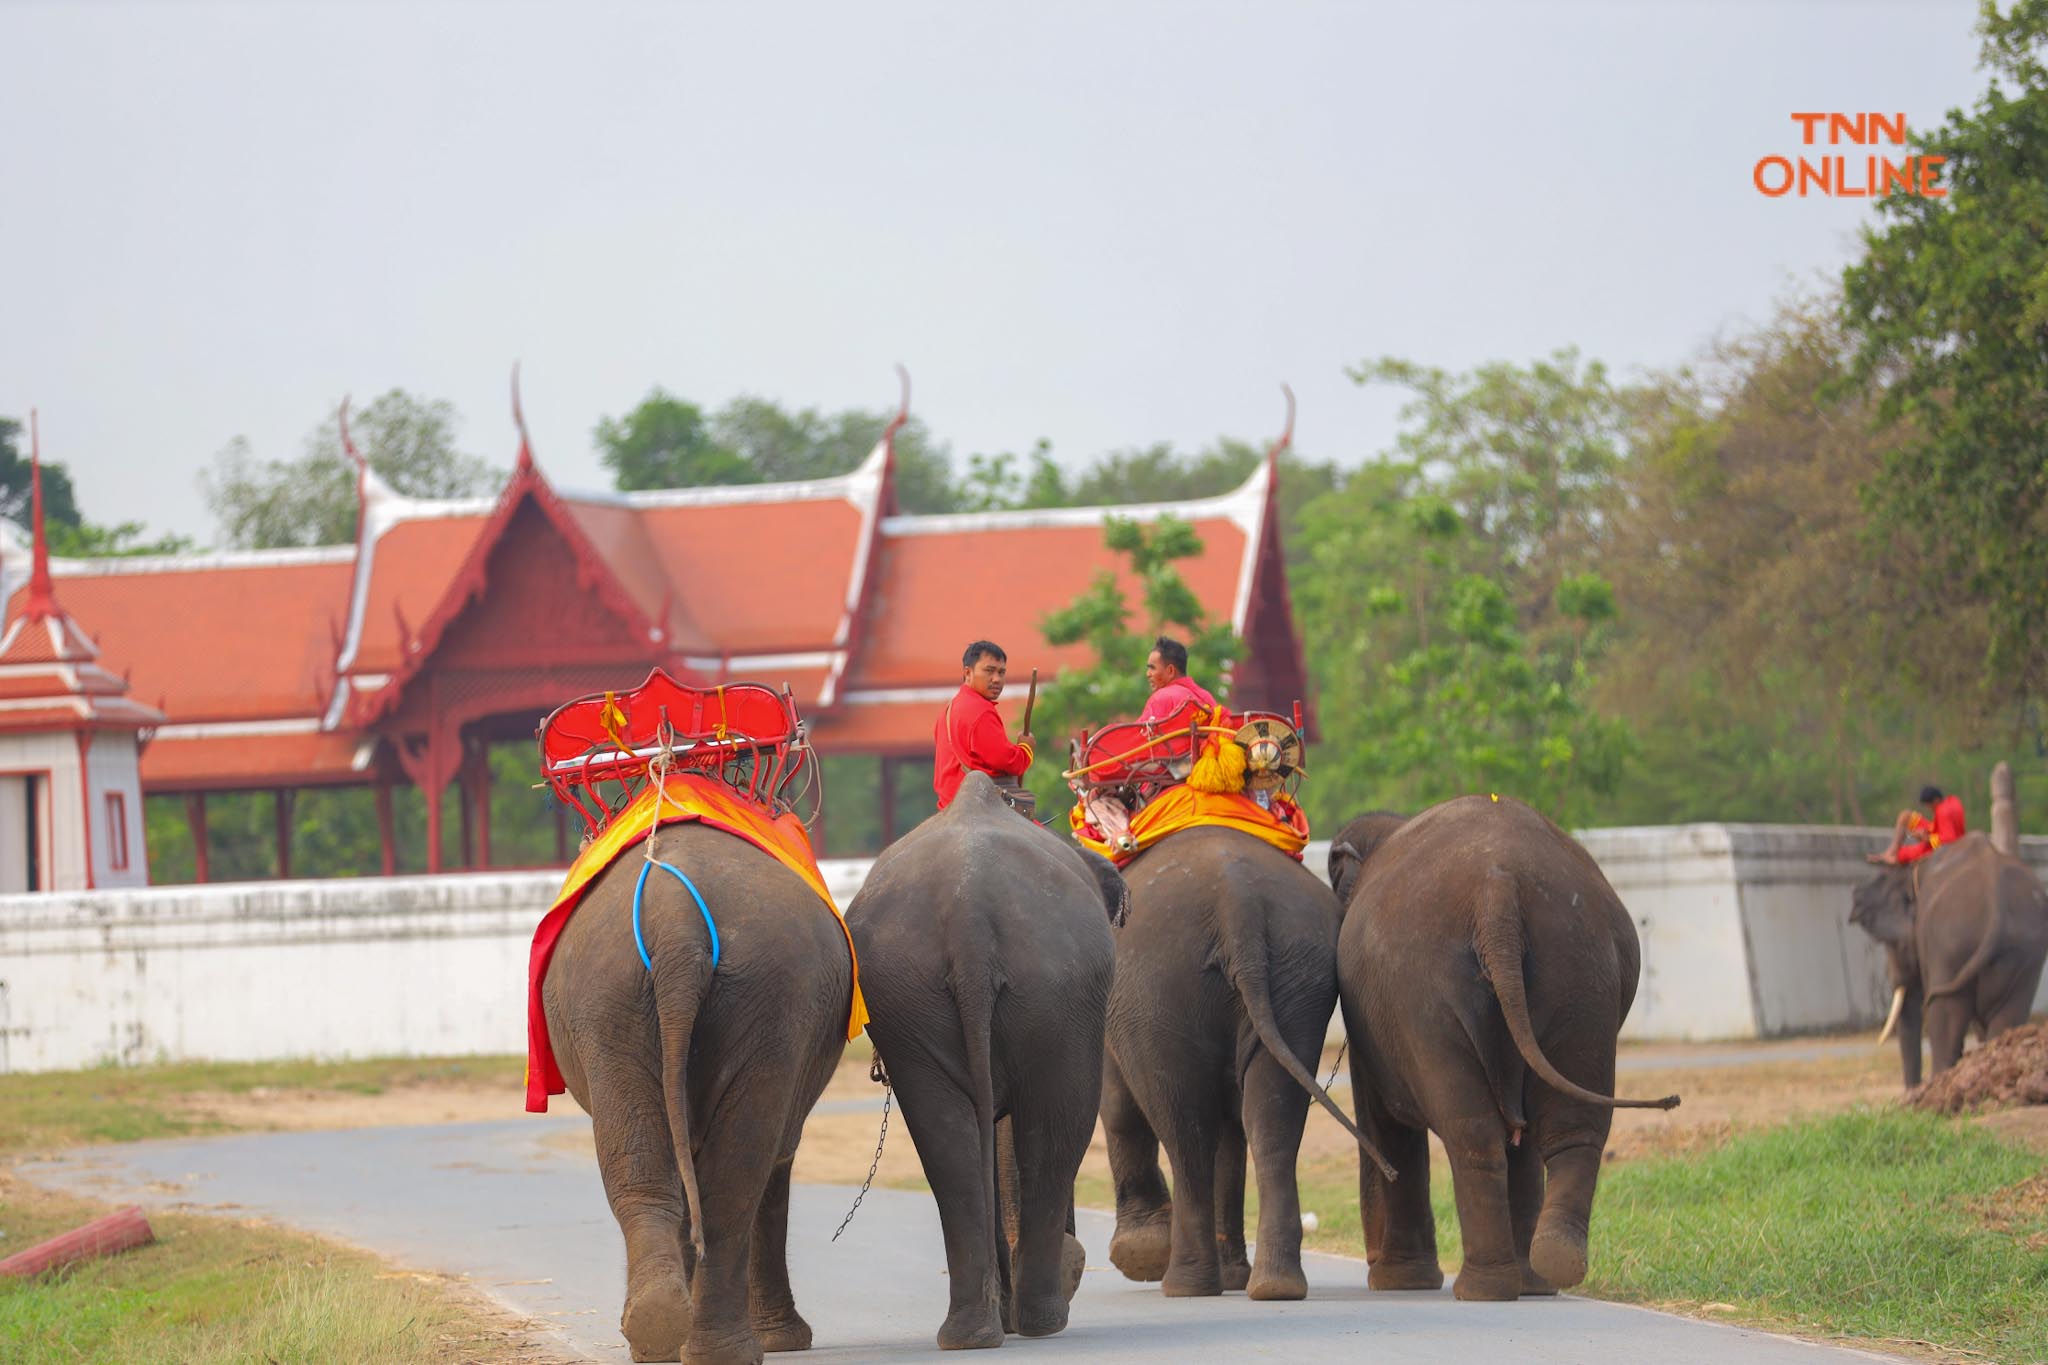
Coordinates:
1744 930
113 765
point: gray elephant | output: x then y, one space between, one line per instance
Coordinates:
1225 981
986 959
698 1082
1486 968
1965 930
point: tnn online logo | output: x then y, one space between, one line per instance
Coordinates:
1847 176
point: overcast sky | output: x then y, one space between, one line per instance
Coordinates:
1103 224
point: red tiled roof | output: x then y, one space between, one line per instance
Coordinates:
214 637
173 763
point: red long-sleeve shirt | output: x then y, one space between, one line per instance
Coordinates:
1945 828
1170 697
969 736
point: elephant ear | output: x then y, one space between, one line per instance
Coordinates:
1345 862
1116 897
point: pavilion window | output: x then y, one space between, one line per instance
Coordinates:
117 831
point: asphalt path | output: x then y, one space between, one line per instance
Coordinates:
516 1207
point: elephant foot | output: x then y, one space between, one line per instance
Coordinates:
1041 1317
1534 1286
1559 1257
656 1320
1488 1283
785 1332
1399 1275
1237 1270
971 1329
1142 1251
1190 1282
744 1350
1275 1285
1073 1261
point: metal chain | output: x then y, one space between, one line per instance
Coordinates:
1337 1065
878 1074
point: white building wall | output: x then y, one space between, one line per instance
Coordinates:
1744 932
113 764
63 802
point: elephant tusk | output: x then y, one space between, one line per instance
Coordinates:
1891 1021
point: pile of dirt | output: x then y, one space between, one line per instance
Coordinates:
2009 1070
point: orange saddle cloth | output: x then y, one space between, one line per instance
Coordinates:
1183 807
683 798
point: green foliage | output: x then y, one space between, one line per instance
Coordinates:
408 441
666 443
70 535
1113 686
1949 309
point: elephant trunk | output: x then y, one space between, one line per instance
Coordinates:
1500 946
1891 1021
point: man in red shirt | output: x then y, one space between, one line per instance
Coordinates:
1945 828
970 737
1166 670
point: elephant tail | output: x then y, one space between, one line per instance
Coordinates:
1500 943
974 997
680 985
1253 989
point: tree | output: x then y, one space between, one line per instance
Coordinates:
70 535
1949 312
666 443
1113 685
1159 473
408 441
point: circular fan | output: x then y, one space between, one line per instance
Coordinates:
1272 750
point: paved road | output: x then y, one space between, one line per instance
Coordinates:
525 1217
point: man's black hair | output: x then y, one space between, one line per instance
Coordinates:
1172 651
1929 795
981 647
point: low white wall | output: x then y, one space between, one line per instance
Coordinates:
1744 931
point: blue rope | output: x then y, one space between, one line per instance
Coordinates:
640 886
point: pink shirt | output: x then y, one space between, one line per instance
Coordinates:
1168 699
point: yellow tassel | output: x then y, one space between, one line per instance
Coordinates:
1220 769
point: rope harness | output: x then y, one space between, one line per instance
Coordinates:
658 768
880 1075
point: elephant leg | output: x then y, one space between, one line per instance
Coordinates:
1230 1252
1143 1243
734 1172
1572 1138
1479 1178
638 1165
770 1304
1275 1111
1525 1207
1052 1138
1194 1270
947 1135
1948 1021
1400 1226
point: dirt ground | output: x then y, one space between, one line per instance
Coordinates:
2009 1070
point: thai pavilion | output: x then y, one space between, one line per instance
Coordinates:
453 625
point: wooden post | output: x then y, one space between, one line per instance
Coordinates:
480 802
195 817
885 788
284 799
386 833
561 833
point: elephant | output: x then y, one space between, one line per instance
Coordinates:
698 1082
1225 981
986 956
1482 955
1964 931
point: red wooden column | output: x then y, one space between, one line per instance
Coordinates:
478 782
430 760
285 799
195 817
386 834
561 833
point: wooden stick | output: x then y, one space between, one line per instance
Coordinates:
1030 700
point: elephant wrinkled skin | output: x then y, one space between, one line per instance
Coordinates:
698 1083
1225 981
986 958
1483 962
1965 931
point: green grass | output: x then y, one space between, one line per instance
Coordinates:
44 1110
211 1291
1881 1224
